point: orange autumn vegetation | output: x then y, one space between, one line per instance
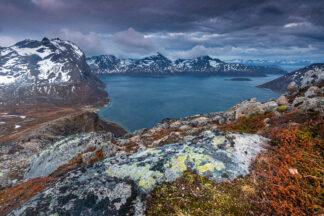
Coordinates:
290 175
13 197
99 156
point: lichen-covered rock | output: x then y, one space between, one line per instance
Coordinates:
115 185
269 106
248 108
309 104
87 193
199 121
312 77
298 101
312 104
61 152
312 91
17 155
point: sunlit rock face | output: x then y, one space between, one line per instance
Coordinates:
61 152
47 71
117 184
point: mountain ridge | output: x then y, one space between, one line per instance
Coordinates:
305 76
159 65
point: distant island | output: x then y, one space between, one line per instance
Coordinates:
239 79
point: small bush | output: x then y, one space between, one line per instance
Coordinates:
248 125
283 108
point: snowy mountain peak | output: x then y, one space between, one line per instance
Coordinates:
40 61
32 63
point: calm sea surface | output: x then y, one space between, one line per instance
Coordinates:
141 102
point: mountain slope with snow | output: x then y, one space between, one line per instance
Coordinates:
52 71
159 65
310 75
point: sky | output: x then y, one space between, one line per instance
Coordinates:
227 29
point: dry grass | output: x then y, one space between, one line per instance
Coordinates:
13 197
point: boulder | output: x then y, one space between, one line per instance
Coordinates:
298 101
246 108
313 104
282 100
269 106
199 121
292 86
312 91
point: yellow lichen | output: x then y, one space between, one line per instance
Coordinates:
146 178
218 165
178 163
229 150
218 140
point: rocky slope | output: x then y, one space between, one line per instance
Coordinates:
310 75
101 174
159 65
52 71
17 154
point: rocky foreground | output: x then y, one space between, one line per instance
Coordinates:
238 162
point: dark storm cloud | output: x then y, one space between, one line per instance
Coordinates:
233 27
134 42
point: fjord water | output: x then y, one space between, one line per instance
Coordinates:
141 102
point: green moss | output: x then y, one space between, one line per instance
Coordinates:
283 108
196 195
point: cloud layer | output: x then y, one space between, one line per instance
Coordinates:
178 28
133 42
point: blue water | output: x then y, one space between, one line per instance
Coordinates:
141 102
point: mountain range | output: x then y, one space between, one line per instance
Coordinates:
310 75
52 71
159 65
289 65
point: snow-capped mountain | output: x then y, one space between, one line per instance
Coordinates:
48 70
312 74
159 65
